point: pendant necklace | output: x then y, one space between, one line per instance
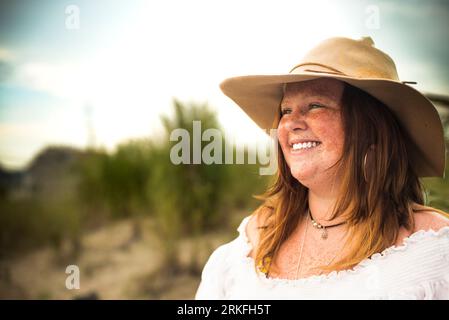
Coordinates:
317 225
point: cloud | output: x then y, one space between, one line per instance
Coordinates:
20 141
6 54
65 79
60 80
24 130
5 71
6 64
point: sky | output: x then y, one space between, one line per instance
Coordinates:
68 68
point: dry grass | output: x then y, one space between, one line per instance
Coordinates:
111 267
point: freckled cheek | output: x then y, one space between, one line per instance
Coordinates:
331 135
282 133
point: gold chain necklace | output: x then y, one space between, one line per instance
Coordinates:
302 247
323 236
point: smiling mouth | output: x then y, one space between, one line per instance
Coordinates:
305 145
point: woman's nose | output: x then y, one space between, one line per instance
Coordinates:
296 122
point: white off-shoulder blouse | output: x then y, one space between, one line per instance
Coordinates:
417 269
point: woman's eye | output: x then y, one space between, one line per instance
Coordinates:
285 111
315 105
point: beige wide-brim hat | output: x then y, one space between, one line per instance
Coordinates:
360 64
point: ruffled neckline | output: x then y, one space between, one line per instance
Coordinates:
336 275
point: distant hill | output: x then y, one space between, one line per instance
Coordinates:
9 180
50 172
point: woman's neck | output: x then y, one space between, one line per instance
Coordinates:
322 207
322 196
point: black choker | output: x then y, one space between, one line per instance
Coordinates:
316 225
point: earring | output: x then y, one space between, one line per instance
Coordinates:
365 175
364 167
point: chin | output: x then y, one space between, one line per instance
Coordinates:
301 174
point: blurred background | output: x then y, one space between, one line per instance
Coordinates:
89 94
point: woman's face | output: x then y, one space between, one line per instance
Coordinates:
310 130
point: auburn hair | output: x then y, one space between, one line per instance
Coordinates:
376 196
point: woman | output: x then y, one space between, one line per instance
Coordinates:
345 217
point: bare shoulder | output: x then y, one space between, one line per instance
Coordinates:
427 218
257 220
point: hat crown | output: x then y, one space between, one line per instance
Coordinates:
348 57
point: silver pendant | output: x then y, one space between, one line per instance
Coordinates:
324 234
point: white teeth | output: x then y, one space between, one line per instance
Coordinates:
305 145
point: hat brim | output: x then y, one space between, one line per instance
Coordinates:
259 96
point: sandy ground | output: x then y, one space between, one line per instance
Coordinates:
111 267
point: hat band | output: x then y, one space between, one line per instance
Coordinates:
315 67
